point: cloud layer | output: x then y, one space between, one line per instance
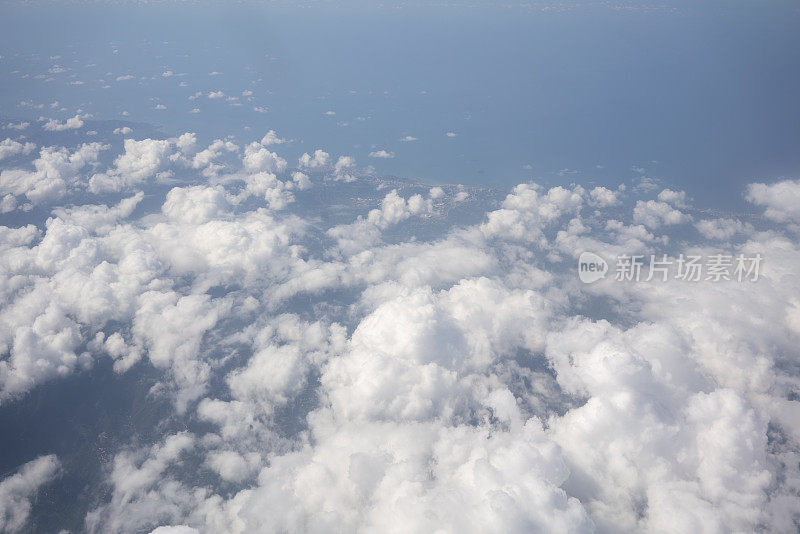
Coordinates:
362 354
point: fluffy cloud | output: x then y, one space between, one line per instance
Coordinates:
233 467
9 147
18 490
722 228
146 159
365 232
527 211
56 169
73 123
319 159
195 205
781 200
271 138
167 325
204 159
676 198
653 214
8 203
267 186
258 159
140 161
178 529
99 218
603 197
371 355
17 125
133 477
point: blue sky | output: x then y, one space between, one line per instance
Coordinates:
700 95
